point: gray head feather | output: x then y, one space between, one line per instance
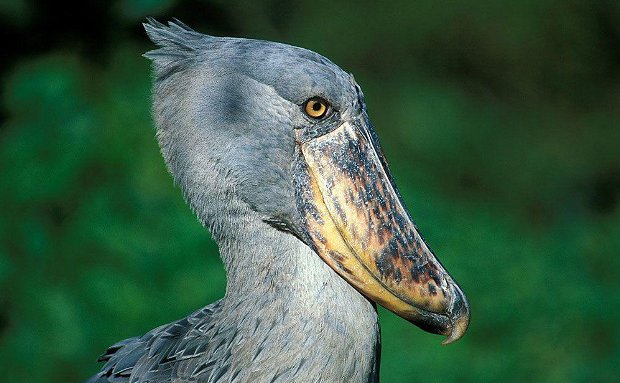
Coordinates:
223 105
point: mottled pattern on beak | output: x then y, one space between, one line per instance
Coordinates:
359 226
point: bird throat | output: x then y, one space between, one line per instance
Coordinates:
282 297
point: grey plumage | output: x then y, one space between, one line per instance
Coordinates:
225 109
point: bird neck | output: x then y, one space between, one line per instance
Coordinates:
280 294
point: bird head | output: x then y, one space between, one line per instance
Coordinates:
284 132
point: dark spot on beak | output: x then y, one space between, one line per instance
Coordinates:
433 275
398 276
350 197
339 210
319 236
339 258
336 256
431 289
385 266
376 212
415 274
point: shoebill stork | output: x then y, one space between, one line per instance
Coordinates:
273 149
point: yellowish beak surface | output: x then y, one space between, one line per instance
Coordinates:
360 228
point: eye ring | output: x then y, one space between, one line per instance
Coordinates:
316 108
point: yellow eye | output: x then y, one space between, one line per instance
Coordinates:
316 107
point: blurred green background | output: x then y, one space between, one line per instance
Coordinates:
500 121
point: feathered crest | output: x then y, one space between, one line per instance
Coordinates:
177 42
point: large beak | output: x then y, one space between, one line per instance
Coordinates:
354 219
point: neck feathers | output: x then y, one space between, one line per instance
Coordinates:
296 315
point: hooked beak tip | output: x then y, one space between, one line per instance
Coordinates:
459 316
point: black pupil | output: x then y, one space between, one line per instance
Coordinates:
316 106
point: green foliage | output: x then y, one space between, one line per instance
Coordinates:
500 121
